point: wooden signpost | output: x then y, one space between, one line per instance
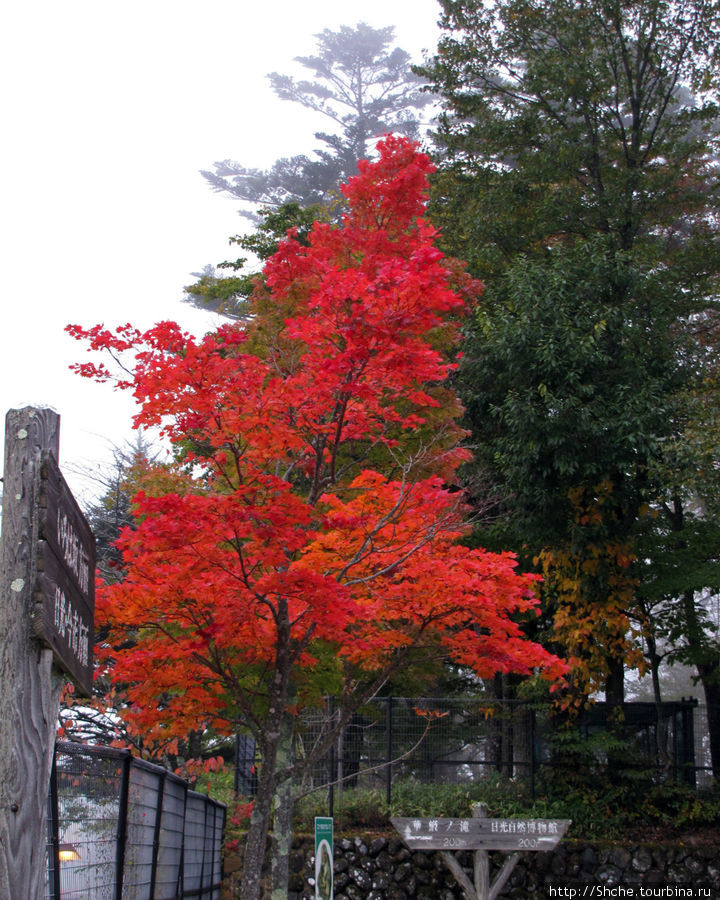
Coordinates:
65 596
481 834
46 624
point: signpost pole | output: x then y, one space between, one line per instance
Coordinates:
482 859
30 685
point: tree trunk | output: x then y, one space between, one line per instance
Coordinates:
710 678
615 690
661 754
614 715
256 840
270 739
282 814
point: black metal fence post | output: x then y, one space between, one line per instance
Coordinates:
181 868
202 863
122 826
54 834
332 771
236 773
687 762
388 749
532 753
223 823
156 833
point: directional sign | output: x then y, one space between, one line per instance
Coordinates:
481 834
65 588
324 889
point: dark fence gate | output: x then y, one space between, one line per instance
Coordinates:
120 828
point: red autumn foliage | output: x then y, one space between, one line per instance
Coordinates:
309 515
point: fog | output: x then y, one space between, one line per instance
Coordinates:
109 113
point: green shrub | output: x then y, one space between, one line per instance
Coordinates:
218 785
604 807
355 808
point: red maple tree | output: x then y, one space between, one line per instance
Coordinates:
308 516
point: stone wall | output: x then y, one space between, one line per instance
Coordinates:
380 867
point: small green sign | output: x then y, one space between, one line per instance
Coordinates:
323 858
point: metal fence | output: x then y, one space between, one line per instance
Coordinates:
120 828
462 740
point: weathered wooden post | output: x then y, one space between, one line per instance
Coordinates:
46 599
482 859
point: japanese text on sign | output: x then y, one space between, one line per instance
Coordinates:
477 833
71 628
73 552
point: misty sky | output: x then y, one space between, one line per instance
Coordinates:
109 111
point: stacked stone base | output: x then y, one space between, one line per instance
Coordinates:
382 868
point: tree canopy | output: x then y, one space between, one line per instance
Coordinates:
308 538
564 120
578 177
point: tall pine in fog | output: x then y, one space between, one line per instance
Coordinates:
363 87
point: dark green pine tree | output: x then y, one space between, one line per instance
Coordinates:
112 511
578 177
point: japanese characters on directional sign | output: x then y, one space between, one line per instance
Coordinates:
65 587
481 834
324 888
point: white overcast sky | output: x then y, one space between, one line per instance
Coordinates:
108 112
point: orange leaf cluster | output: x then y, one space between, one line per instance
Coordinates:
593 588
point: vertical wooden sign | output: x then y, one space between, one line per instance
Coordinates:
65 595
30 684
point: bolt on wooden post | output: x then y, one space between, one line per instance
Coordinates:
47 571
